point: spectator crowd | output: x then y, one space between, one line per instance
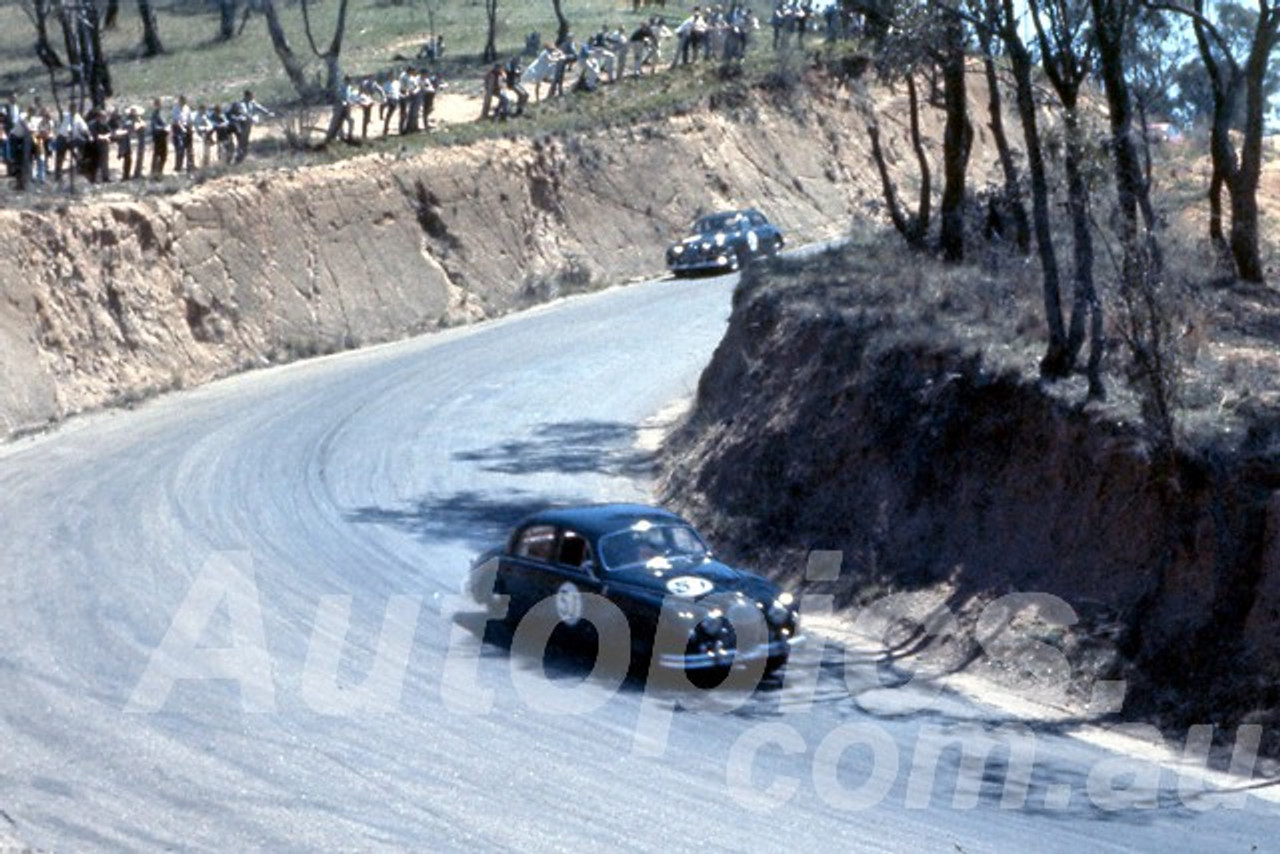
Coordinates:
125 144
40 149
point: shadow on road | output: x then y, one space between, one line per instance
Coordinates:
481 518
570 447
473 518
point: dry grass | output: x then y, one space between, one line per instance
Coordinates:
1228 343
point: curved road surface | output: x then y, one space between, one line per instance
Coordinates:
231 623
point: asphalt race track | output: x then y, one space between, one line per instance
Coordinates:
231 622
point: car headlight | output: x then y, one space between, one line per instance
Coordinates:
677 249
712 624
780 611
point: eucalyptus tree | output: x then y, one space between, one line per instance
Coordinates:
957 135
40 12
1146 321
490 44
902 55
226 20
562 23
985 17
151 44
331 56
1056 362
294 67
1066 56
81 24
1236 73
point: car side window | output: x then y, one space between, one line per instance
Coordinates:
536 542
574 550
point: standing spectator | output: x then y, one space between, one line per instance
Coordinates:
141 131
42 138
183 137
350 100
407 81
419 89
11 114
73 132
224 132
686 33
513 70
159 126
801 21
122 133
391 103
244 115
20 148
202 127
431 82
566 53
492 87
779 21
410 100
712 22
100 133
370 94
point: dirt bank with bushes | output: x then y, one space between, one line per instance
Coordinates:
895 419
114 297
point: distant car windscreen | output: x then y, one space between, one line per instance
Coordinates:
717 222
660 546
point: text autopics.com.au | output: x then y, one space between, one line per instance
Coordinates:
870 752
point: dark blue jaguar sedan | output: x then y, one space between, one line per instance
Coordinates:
724 242
643 582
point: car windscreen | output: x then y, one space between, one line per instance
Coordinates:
717 222
646 544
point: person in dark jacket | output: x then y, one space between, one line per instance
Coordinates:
159 126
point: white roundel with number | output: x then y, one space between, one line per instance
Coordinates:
689 586
753 241
569 603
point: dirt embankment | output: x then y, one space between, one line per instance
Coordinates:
107 301
827 420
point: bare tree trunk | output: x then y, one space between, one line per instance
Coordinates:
562 23
226 20
279 41
1241 177
1218 183
914 228
151 45
1224 83
924 209
1013 205
1244 194
70 23
490 47
1067 71
44 50
94 75
332 57
957 140
1085 303
1148 321
1054 362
